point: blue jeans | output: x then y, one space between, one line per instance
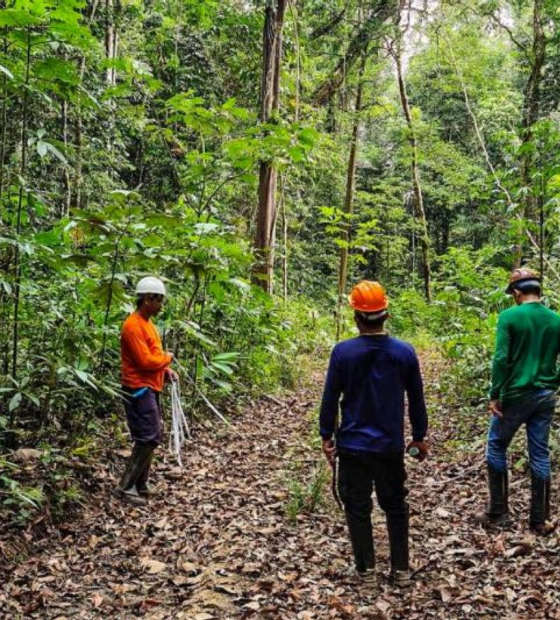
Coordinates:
535 410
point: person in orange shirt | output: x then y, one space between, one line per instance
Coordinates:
144 367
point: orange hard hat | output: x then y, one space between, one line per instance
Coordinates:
368 297
523 274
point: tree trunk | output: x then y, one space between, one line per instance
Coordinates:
284 250
22 171
110 41
4 342
3 122
76 194
270 104
66 174
298 60
415 169
531 112
349 196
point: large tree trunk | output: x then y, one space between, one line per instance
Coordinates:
349 196
415 169
270 104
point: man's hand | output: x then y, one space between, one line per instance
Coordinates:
329 450
496 408
171 375
422 447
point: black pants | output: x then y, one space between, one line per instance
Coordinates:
359 472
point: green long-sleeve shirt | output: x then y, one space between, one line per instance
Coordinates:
527 349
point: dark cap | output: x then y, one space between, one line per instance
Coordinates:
523 274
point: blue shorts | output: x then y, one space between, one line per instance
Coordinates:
143 414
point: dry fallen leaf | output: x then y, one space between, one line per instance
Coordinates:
161 523
446 594
441 512
187 567
254 605
97 600
24 455
153 566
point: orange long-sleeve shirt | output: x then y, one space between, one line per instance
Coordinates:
143 361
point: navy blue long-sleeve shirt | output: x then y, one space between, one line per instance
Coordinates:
372 373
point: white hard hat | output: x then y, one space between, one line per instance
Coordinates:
150 285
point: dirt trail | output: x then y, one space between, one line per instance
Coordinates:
217 542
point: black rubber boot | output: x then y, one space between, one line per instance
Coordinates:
397 528
142 484
127 490
498 509
540 505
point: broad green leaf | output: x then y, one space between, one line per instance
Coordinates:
226 369
222 357
14 402
223 384
18 19
57 69
33 399
7 73
81 374
196 333
56 153
203 228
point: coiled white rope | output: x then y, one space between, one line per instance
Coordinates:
179 425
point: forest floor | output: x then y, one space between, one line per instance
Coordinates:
218 542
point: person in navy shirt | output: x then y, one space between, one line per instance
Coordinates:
367 379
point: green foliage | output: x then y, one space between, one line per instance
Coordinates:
461 320
17 499
306 497
66 499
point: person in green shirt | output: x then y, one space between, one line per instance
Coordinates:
525 378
